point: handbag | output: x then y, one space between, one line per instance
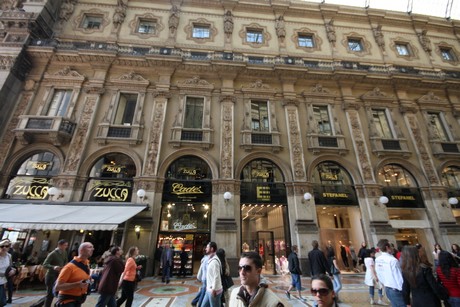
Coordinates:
138 275
227 282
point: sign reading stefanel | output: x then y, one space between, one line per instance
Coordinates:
190 191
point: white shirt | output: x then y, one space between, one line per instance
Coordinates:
389 271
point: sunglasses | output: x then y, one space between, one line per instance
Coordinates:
4 246
246 268
322 291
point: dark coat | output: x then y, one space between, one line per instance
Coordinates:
423 294
111 275
294 264
318 262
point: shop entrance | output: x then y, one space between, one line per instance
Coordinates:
267 251
341 227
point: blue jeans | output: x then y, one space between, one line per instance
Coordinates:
212 301
296 281
395 297
372 289
337 283
454 301
106 300
165 274
198 300
2 295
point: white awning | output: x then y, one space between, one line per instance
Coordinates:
66 217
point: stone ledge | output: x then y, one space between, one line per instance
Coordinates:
226 225
381 228
306 226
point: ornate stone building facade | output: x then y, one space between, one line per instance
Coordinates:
258 125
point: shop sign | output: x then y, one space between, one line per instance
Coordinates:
39 166
403 197
33 188
255 192
111 190
257 173
335 195
329 176
178 226
263 193
187 191
112 168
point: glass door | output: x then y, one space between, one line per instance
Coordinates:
266 250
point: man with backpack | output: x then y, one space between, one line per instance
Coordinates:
74 279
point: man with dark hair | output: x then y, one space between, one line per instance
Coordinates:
167 263
389 274
214 287
110 276
318 262
183 261
54 262
253 290
294 268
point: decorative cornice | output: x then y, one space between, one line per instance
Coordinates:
195 82
376 94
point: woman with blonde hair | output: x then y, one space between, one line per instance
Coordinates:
128 278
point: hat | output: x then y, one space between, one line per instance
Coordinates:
5 241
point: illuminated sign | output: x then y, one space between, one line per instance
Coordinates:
263 193
402 197
190 171
112 168
178 226
335 195
329 176
181 189
111 190
39 166
260 173
28 188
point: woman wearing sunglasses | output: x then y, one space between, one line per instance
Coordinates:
322 290
6 269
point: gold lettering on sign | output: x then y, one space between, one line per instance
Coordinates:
188 171
41 166
402 197
263 193
30 188
112 194
329 176
336 195
112 168
260 173
180 189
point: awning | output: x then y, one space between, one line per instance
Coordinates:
66 217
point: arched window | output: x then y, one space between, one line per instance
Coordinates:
189 168
393 175
32 178
110 179
331 173
451 177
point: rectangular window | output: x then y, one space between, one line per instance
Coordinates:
146 26
59 103
355 44
437 127
92 22
306 40
259 116
382 124
403 49
194 107
323 121
201 31
125 109
447 54
254 36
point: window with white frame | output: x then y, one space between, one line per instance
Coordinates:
146 26
437 126
259 116
306 40
201 31
355 44
322 119
255 36
92 22
126 109
382 123
59 103
194 107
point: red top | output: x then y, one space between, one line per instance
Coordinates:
453 283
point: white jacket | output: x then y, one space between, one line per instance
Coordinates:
213 279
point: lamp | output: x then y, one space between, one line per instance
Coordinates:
227 196
453 201
137 230
53 191
306 197
141 194
382 200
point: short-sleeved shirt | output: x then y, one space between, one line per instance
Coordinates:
72 273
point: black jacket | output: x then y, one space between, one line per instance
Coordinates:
423 294
294 264
318 263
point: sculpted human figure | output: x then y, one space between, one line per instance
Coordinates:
228 22
120 13
280 28
379 37
173 20
331 31
425 41
67 9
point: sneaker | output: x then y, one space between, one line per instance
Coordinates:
288 295
303 299
372 301
380 302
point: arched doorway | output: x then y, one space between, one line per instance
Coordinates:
264 215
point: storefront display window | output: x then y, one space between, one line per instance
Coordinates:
33 177
264 214
111 179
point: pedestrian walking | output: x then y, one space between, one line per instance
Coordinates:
183 262
201 276
110 276
448 273
6 262
128 278
322 290
214 287
371 279
296 272
166 263
318 262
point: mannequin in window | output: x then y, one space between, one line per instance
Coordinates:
354 257
245 247
343 254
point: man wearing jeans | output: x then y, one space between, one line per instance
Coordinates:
214 288
294 268
389 274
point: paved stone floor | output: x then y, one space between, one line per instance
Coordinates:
180 292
